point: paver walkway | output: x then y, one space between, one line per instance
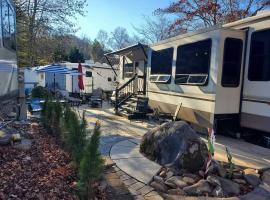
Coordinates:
127 157
120 139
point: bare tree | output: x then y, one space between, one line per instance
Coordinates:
119 38
155 29
192 14
103 38
39 17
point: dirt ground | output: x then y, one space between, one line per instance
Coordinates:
42 172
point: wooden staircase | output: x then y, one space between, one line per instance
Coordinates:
130 99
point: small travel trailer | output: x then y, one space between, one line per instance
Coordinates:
217 77
96 75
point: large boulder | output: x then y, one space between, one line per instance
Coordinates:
175 144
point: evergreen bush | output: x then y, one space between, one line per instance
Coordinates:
74 134
40 92
51 117
91 165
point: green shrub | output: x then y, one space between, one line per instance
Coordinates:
74 134
51 117
91 165
40 92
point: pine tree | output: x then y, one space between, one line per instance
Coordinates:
91 165
74 134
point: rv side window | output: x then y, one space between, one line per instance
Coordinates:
161 61
161 65
232 62
193 63
8 26
259 60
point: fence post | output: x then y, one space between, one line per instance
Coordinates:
116 100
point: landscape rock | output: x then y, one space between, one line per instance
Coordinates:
177 191
252 179
217 192
5 137
175 144
213 180
266 177
237 175
163 173
201 173
158 179
198 188
25 145
188 180
169 174
239 181
229 187
159 187
217 168
193 176
250 171
175 182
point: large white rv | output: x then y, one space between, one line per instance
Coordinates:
8 61
217 77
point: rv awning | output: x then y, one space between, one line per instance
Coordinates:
134 53
58 69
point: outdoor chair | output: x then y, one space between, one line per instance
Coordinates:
142 107
96 98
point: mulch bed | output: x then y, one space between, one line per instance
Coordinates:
42 172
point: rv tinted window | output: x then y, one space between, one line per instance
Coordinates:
232 62
259 60
161 61
194 58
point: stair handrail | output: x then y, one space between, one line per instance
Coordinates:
126 83
117 103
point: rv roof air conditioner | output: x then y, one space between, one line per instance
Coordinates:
160 78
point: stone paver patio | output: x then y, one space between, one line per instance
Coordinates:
120 140
115 129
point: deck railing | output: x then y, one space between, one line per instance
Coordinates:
135 85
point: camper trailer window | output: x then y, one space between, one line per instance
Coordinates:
161 61
259 63
232 62
193 59
128 70
88 74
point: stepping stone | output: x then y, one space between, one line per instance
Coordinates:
130 181
135 140
141 169
120 152
136 186
125 177
146 189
